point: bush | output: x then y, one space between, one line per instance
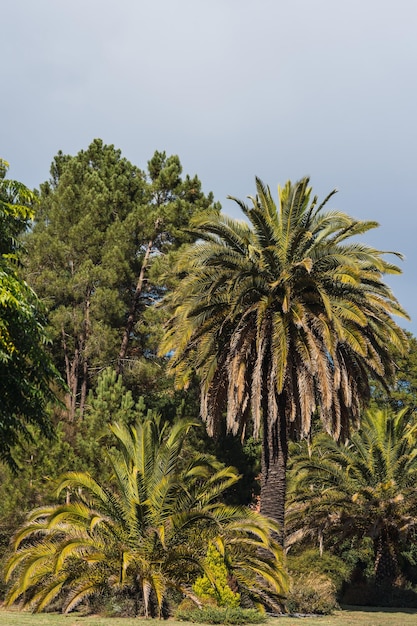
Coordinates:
312 562
312 593
222 594
220 615
116 605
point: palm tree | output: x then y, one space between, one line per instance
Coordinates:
365 488
146 534
281 317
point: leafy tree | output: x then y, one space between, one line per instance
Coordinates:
365 488
148 533
26 371
281 317
94 252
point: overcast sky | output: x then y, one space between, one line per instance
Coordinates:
237 88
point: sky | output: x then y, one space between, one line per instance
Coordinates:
278 89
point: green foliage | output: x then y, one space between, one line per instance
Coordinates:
26 371
402 393
146 532
16 211
216 587
365 488
109 402
311 594
41 462
357 553
310 561
317 581
282 315
98 217
220 615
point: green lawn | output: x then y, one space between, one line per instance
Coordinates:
351 617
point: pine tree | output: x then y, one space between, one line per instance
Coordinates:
94 253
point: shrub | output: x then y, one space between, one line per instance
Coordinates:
312 593
221 593
220 615
312 562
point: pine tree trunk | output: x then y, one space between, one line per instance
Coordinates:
274 469
83 342
71 368
70 376
74 384
132 311
77 370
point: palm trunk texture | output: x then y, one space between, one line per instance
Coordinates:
274 468
386 562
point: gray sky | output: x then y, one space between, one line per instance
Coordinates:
236 88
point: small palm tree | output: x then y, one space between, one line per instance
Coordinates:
365 488
147 533
282 316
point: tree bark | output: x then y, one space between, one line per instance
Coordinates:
133 308
71 371
274 469
386 562
77 370
83 341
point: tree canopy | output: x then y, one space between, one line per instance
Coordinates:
26 371
101 233
282 316
277 321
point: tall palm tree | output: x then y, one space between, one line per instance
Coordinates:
146 534
281 316
365 488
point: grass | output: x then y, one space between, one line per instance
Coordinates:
354 617
348 617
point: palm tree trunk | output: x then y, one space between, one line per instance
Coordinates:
274 469
386 562
146 590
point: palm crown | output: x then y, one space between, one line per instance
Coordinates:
283 315
365 488
146 533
